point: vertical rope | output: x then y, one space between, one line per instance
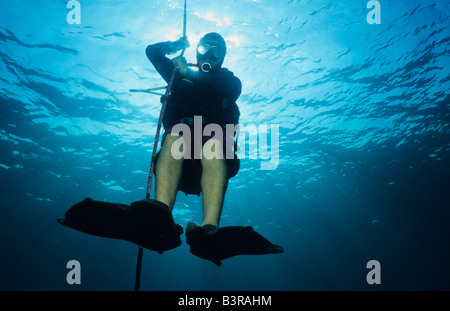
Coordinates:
158 130
161 114
152 168
155 148
137 283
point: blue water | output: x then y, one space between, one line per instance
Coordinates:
363 112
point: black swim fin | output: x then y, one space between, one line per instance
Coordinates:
147 223
226 242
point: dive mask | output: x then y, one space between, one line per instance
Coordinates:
216 51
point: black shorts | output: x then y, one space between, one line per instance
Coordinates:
190 182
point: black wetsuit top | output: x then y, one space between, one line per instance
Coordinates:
211 95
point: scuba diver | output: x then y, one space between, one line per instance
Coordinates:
206 91
200 95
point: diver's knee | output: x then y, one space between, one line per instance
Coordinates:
214 166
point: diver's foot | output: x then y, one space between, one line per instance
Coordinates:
208 228
215 244
147 223
161 232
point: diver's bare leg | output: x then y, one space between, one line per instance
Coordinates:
214 184
168 174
